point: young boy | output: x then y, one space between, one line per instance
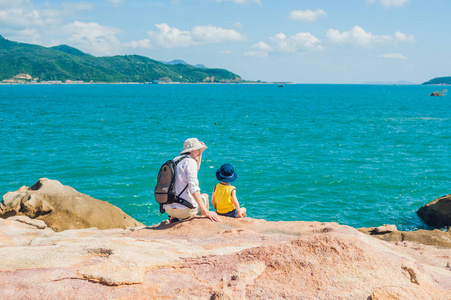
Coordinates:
224 195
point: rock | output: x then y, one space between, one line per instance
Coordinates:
389 233
62 207
437 213
379 230
434 238
114 271
39 224
21 230
234 259
385 229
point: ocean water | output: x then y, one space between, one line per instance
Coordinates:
360 155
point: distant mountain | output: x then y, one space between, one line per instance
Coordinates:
439 80
61 63
70 50
201 66
179 61
175 62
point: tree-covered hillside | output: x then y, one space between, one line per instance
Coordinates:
439 80
66 63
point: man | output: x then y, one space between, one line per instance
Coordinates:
187 184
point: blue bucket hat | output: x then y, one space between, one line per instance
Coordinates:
226 173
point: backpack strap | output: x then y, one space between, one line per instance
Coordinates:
178 198
183 201
181 158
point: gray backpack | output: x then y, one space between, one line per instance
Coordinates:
165 189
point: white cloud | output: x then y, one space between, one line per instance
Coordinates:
171 37
93 38
390 3
281 43
298 42
359 37
212 34
141 44
31 35
392 56
307 15
261 49
22 14
262 46
256 53
402 37
22 20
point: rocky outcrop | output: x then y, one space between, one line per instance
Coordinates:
437 213
62 207
199 259
390 233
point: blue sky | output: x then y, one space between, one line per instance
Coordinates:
322 41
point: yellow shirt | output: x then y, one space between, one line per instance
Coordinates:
223 198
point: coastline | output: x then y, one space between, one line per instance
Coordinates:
215 83
137 83
52 202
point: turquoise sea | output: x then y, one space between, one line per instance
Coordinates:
360 155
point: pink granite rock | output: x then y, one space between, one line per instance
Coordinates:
234 259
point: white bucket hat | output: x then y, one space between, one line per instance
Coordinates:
192 144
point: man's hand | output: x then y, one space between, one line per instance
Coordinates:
212 216
202 150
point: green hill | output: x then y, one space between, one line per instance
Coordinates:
63 63
69 50
439 80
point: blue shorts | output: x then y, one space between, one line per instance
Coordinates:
232 214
